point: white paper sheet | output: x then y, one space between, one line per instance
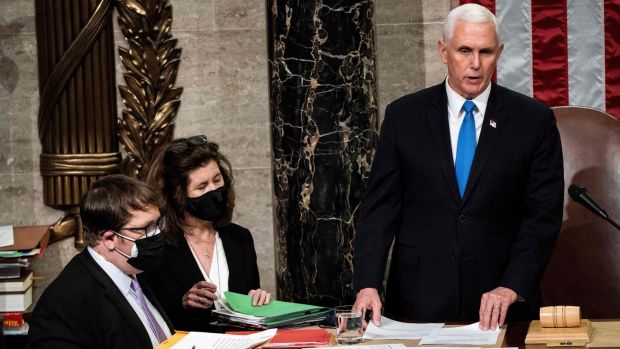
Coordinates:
205 340
463 335
424 347
391 329
374 346
6 235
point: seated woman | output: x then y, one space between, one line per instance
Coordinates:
206 253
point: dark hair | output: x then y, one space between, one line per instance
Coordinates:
107 204
169 173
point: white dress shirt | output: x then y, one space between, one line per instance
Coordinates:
123 282
218 274
456 114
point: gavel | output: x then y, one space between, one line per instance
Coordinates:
560 316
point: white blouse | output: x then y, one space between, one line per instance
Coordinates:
218 274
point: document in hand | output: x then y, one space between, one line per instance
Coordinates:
239 309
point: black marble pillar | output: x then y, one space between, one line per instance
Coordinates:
324 130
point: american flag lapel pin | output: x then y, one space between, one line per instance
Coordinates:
492 123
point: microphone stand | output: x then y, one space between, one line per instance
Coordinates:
580 195
612 222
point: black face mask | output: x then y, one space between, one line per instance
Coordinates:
146 253
210 206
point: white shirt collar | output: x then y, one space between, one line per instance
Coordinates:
455 100
120 279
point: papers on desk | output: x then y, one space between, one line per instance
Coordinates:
374 346
238 309
431 333
423 347
205 340
300 338
391 329
462 335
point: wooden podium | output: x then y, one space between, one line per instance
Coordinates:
562 336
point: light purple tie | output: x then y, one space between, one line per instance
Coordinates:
137 290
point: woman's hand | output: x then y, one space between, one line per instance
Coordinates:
201 295
259 297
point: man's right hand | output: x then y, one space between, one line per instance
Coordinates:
368 299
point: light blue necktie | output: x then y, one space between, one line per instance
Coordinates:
465 147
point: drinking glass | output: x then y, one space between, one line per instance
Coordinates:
348 325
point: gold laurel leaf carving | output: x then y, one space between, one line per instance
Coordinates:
151 64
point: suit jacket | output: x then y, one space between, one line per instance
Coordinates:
179 272
448 251
83 308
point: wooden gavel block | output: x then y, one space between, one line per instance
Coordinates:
560 316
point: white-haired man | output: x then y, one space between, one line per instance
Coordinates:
467 184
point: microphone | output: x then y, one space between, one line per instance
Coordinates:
580 195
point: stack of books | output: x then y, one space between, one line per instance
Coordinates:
238 310
16 277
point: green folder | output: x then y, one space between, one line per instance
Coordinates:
275 309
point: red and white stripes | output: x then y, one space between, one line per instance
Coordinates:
561 52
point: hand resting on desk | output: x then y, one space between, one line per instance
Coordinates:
368 299
494 307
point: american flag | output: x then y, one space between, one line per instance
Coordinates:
561 52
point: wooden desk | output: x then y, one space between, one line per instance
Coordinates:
606 336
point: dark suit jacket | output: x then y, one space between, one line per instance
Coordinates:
179 272
83 308
448 251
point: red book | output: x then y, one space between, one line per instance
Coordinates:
294 338
14 319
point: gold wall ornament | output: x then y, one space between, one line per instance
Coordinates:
77 111
151 63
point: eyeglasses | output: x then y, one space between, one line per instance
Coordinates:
148 231
182 146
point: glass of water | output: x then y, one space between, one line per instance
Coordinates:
348 325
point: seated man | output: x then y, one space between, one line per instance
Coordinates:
96 301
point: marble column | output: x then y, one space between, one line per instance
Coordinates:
324 131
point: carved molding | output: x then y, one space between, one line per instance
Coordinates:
151 63
99 164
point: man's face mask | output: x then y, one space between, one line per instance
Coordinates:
210 206
147 251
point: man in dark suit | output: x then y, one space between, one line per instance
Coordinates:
96 301
467 184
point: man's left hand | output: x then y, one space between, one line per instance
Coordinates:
494 307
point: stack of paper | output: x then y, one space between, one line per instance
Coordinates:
469 335
238 309
432 333
391 329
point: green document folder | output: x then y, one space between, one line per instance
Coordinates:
275 309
